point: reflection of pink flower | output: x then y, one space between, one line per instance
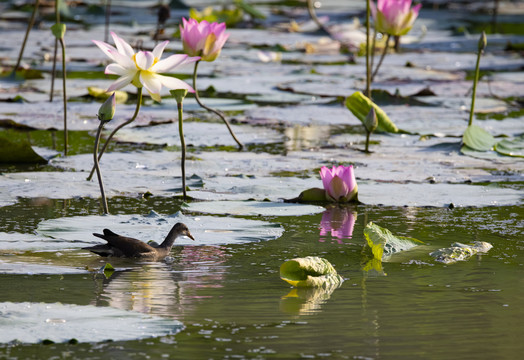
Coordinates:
339 222
339 182
394 17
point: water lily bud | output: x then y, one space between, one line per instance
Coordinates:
371 122
107 110
483 41
58 30
179 94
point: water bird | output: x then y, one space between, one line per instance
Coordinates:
122 246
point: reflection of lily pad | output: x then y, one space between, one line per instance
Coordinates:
384 244
207 230
310 271
34 322
251 208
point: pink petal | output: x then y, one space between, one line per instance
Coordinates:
169 64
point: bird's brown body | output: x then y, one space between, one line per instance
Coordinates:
122 246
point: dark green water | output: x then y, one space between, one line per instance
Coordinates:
234 305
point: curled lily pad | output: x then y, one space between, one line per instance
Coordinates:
310 271
513 147
384 244
360 105
460 252
16 151
478 139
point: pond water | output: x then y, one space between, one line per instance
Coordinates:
221 296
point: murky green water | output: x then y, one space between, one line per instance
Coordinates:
233 304
224 299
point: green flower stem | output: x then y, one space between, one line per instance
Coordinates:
368 133
29 26
97 167
62 44
53 71
183 145
137 109
474 93
368 68
216 112
386 47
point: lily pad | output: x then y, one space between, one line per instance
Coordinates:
460 252
207 230
254 208
310 271
513 147
35 322
198 134
383 243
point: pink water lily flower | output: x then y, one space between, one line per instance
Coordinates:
339 182
203 39
394 17
143 68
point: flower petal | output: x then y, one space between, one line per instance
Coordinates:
106 48
123 47
144 59
116 69
159 49
174 83
151 82
121 82
122 60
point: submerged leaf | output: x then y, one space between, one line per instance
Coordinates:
360 105
460 252
383 243
18 152
310 271
478 139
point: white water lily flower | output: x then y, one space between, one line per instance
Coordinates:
143 68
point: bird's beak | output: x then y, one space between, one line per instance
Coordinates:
188 234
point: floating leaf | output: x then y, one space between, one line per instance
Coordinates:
478 139
249 9
514 147
313 195
101 94
460 252
253 208
310 271
383 243
18 151
210 14
35 322
360 105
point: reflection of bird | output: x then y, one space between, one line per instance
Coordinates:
121 246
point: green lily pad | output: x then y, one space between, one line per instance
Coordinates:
383 243
253 208
478 139
310 271
460 252
37 322
207 230
513 147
